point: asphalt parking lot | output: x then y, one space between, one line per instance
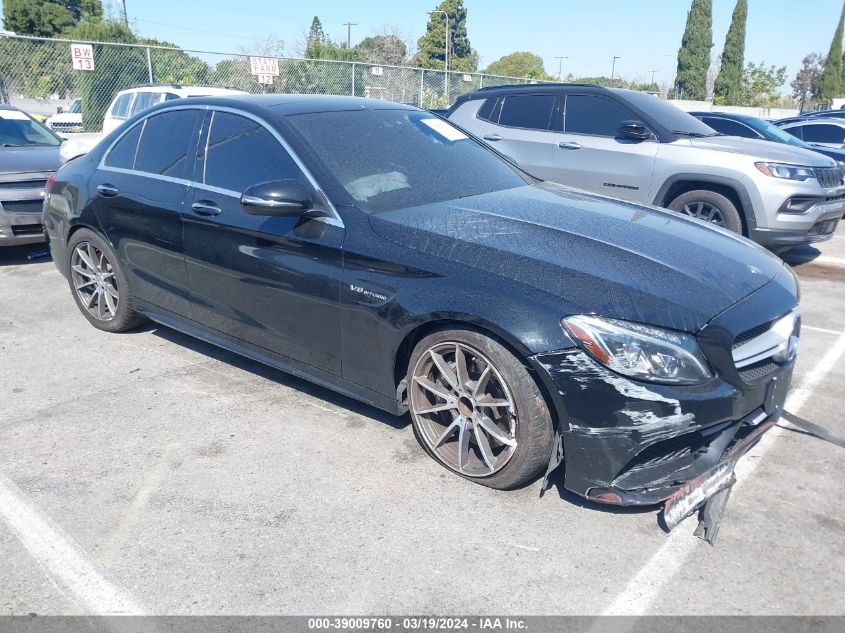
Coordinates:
152 473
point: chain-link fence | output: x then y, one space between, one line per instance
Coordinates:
42 75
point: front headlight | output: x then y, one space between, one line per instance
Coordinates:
640 351
790 172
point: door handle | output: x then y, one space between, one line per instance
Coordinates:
205 207
569 145
108 191
492 137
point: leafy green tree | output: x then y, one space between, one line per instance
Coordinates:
315 34
382 49
432 46
176 66
728 87
805 86
520 64
48 18
761 85
831 85
694 54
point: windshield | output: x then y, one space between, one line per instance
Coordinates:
394 159
774 133
668 115
75 107
18 130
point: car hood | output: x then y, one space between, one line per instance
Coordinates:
766 150
67 117
596 254
19 160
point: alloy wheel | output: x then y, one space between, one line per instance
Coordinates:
463 409
94 280
704 211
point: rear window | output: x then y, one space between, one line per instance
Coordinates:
823 133
145 101
393 159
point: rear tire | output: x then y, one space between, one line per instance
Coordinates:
477 410
98 284
708 206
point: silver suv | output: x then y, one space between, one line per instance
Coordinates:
634 146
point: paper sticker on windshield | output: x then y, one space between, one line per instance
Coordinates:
445 130
13 114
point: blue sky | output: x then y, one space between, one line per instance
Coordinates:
646 34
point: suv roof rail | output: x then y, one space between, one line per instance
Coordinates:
547 85
154 85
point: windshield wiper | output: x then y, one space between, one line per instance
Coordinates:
696 134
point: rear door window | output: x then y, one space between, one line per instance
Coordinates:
122 155
823 133
166 142
242 152
145 101
533 112
590 114
120 110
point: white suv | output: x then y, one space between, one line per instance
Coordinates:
128 103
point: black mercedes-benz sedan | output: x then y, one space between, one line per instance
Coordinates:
378 250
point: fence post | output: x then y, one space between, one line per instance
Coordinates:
150 65
353 79
422 85
481 81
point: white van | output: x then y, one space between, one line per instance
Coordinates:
128 103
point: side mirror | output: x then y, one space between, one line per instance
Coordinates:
59 110
277 197
635 130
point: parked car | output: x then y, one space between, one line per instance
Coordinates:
29 155
825 114
748 126
67 121
376 249
822 132
127 103
637 147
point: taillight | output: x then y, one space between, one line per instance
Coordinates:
49 186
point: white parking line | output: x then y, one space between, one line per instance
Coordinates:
60 558
827 260
645 587
823 330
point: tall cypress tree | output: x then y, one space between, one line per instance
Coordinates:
728 86
831 83
694 54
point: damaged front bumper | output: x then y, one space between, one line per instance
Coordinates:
630 443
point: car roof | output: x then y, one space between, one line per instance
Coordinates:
180 90
521 88
808 122
274 105
727 115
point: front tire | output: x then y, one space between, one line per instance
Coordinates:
708 206
477 410
98 284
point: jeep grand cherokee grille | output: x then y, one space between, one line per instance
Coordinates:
829 177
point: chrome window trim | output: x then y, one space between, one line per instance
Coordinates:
335 220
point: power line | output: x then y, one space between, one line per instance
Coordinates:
186 28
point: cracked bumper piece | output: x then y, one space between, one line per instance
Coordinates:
632 443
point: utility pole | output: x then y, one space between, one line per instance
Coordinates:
652 75
613 68
125 15
446 58
349 26
560 67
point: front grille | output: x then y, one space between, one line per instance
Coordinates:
758 371
754 332
34 183
829 177
23 230
66 127
26 206
825 227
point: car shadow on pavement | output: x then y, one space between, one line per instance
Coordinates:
800 255
276 375
19 255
